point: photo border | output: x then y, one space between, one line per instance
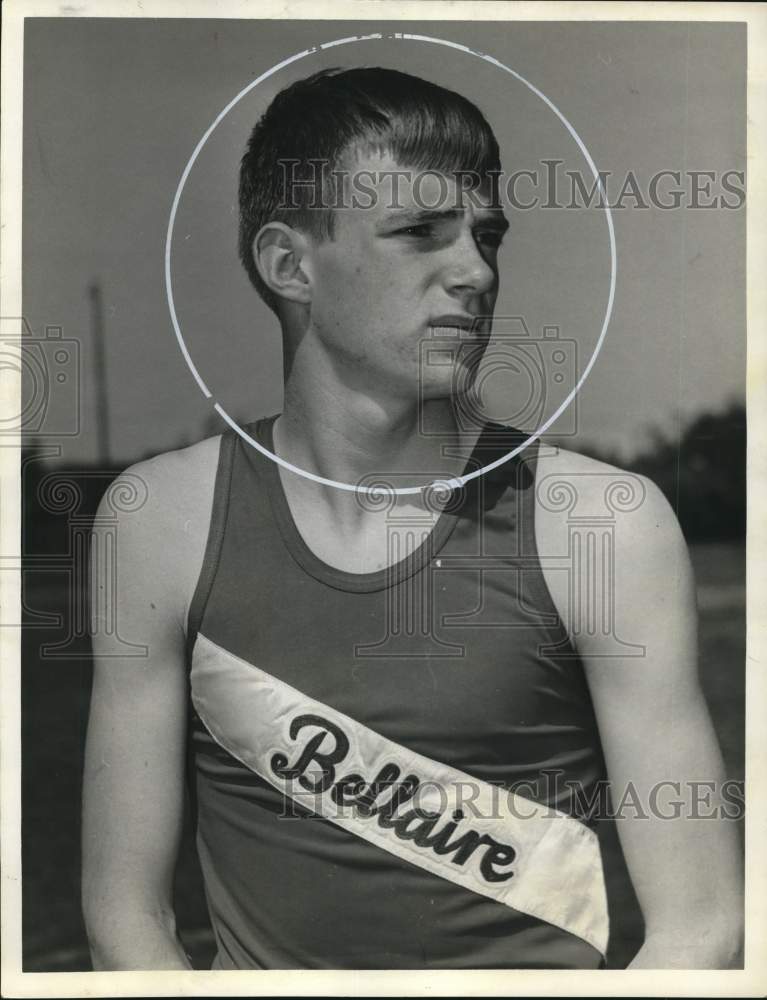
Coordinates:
752 980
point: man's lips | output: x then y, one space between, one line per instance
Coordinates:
450 322
465 338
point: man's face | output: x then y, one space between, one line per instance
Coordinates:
414 269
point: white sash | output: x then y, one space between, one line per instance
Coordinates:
494 842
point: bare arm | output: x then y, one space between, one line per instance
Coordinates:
659 742
133 785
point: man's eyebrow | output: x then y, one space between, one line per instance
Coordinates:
416 216
493 219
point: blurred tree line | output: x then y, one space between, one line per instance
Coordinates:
702 473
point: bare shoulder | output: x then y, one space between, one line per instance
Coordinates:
175 484
572 487
165 530
589 513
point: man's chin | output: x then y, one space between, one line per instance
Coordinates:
452 383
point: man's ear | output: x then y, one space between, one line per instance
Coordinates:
279 253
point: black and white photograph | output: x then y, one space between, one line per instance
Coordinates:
380 446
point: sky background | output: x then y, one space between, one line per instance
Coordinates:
114 109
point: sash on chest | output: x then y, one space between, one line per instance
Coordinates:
504 846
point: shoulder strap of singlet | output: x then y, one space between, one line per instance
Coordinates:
529 468
535 578
218 517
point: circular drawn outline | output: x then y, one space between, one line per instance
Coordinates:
441 484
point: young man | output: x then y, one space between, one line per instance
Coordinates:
374 690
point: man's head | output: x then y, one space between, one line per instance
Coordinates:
325 227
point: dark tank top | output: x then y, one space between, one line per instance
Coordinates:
386 766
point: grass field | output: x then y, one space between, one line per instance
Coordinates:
54 710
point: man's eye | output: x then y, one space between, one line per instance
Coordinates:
423 230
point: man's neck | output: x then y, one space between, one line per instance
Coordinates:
356 438
337 425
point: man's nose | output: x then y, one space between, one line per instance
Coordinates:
468 271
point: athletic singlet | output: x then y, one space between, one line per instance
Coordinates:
383 764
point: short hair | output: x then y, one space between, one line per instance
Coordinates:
421 125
